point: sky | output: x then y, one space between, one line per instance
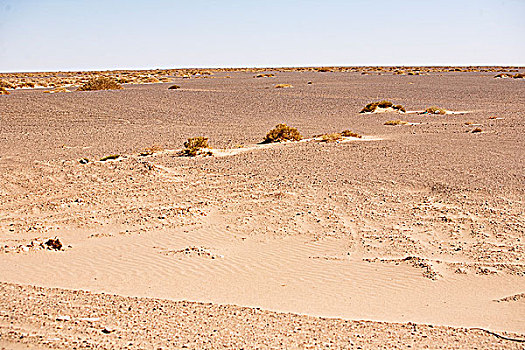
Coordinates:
52 35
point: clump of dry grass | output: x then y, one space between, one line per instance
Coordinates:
195 145
477 130
151 150
435 110
110 157
399 108
57 89
348 133
282 132
371 107
518 76
265 75
6 85
100 83
283 86
3 91
396 122
331 137
174 87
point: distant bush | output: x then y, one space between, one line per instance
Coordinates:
396 122
174 87
110 157
6 85
100 83
371 107
282 132
435 110
331 137
399 108
4 91
348 133
195 145
283 86
265 75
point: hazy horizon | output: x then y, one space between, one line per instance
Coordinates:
60 35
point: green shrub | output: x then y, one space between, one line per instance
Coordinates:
282 132
100 83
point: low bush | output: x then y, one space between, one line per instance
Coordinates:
371 107
110 157
195 145
283 86
282 132
396 122
331 137
4 91
100 83
174 87
348 133
476 130
435 110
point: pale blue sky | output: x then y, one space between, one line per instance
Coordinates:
42 35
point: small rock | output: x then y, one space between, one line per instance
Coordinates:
64 318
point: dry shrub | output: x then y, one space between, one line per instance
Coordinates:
435 110
348 133
110 157
283 86
3 91
195 145
396 122
100 83
6 85
57 89
174 87
331 137
371 107
266 75
282 132
150 150
518 76
476 130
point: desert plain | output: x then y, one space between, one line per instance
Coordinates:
412 236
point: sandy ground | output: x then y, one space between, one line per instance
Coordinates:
422 223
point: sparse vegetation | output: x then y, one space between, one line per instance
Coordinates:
348 133
3 91
282 132
100 83
151 150
283 86
195 145
174 87
331 137
265 75
396 122
399 108
435 110
110 157
476 130
371 107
